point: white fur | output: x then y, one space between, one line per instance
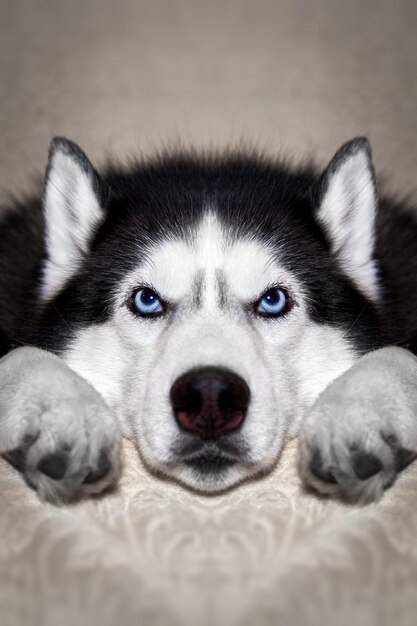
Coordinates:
211 282
348 213
287 362
98 356
302 375
72 212
44 408
360 411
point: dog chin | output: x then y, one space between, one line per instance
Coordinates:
206 466
210 473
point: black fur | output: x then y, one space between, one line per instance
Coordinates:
252 196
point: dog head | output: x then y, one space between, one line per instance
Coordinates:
210 301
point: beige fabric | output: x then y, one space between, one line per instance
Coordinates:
120 76
153 553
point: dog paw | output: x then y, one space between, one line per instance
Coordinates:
55 428
362 430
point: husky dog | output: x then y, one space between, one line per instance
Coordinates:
210 308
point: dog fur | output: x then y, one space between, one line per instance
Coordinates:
210 235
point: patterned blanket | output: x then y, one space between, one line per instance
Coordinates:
153 553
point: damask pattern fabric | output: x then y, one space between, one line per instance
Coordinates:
153 553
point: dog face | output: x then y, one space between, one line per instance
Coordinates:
208 316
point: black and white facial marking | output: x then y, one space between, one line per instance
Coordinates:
210 302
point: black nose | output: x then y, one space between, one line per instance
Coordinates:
210 401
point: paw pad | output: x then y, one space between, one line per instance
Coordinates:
54 465
104 466
365 465
402 456
317 469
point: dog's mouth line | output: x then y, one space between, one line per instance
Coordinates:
210 446
209 454
210 463
211 458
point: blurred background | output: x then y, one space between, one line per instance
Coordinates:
125 76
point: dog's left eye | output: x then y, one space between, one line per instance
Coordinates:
146 302
274 302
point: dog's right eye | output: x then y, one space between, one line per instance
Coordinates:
274 303
146 303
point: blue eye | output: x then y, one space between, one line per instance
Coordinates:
146 303
273 303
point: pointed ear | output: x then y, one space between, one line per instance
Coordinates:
347 212
73 203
